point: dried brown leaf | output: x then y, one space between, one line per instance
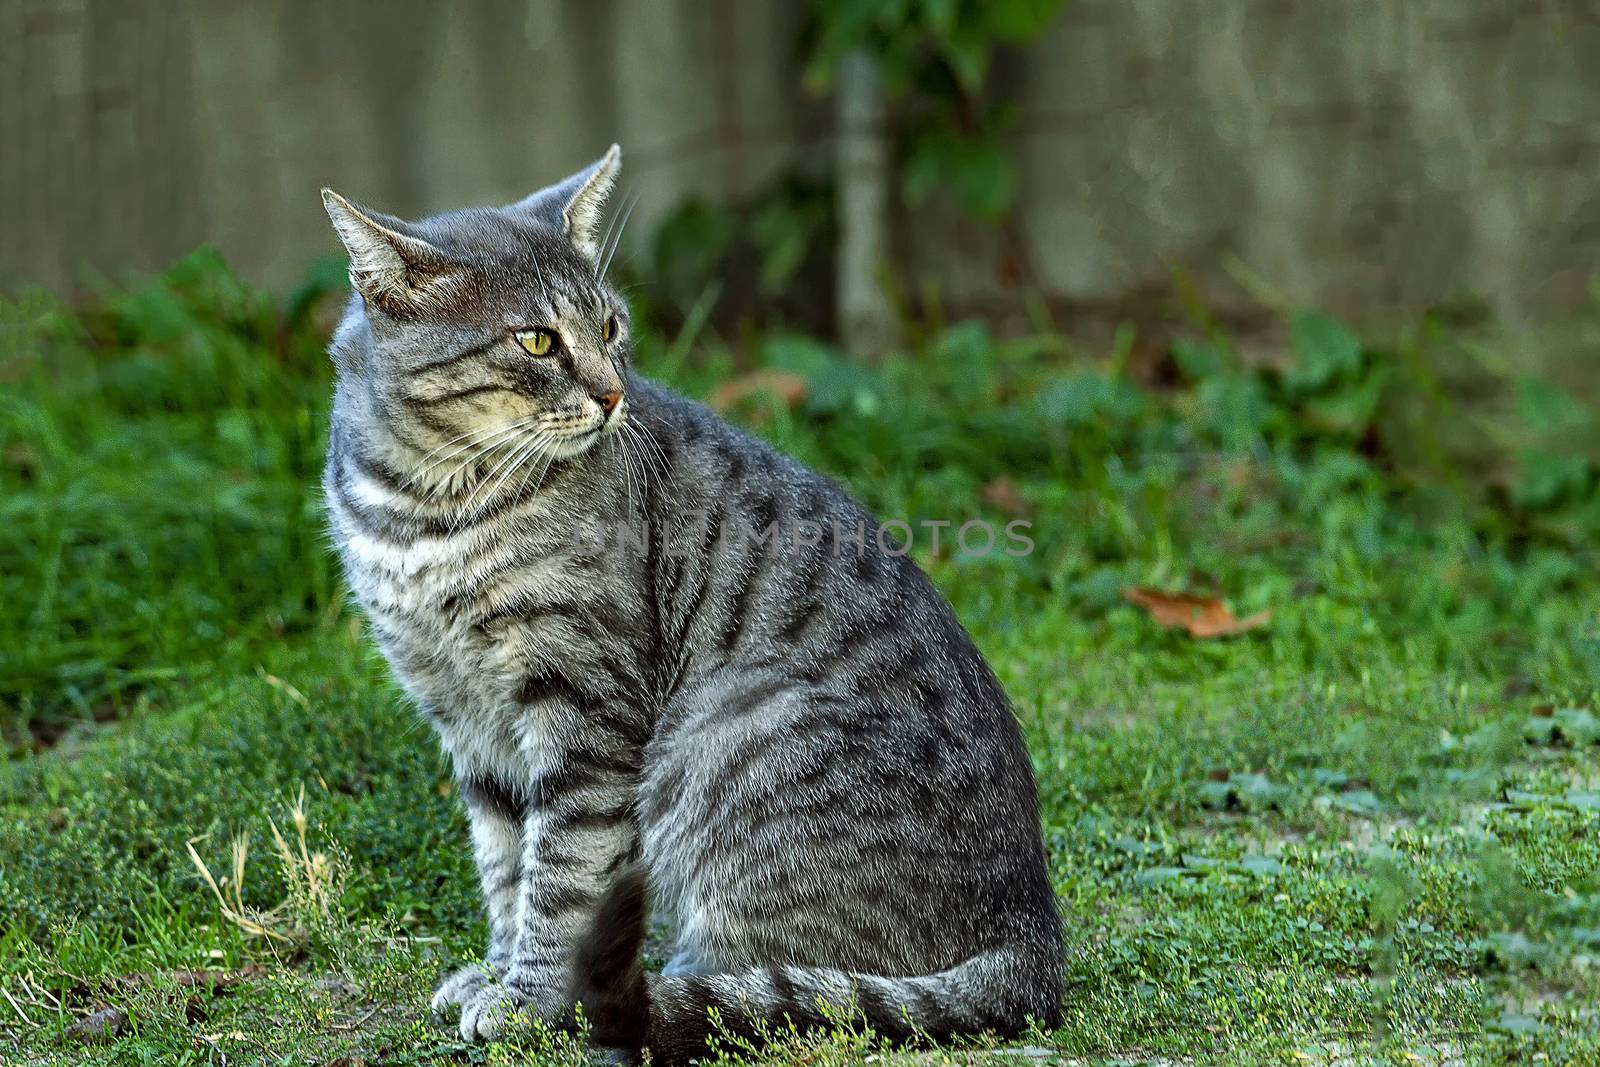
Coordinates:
788 388
1002 493
1202 616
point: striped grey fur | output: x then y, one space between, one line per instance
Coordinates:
793 735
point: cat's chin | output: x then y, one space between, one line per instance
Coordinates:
578 444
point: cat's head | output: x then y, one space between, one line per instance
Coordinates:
490 328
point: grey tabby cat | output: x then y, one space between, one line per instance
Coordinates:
793 738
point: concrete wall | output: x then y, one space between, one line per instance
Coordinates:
1356 154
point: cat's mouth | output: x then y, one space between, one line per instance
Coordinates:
578 442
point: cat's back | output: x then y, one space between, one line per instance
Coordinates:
767 560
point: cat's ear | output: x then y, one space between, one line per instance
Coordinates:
399 272
577 204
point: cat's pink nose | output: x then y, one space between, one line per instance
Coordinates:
608 401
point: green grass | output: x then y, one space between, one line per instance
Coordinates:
1347 836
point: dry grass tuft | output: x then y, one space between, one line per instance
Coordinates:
311 877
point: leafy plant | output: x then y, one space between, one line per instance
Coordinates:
935 58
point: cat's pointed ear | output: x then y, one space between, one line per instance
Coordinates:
577 204
396 270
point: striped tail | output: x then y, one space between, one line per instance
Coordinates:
996 992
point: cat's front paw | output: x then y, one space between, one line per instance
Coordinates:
491 1008
461 984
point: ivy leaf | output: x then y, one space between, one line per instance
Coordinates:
1327 351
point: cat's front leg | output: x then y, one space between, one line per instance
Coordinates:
497 810
580 828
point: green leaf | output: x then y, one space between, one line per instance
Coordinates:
968 57
1326 351
1090 398
1017 21
985 181
1198 360
783 231
1567 726
834 383
1548 408
1349 409
1236 409
965 358
1361 802
1508 950
1515 1024
1157 875
1546 478
979 173
940 15
1247 792
1264 866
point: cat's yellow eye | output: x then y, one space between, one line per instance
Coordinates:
537 342
609 330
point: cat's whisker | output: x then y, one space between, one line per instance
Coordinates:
489 442
540 441
549 458
631 434
433 455
541 450
606 264
605 241
650 451
471 504
508 466
627 476
649 435
499 440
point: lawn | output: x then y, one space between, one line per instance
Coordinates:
1368 829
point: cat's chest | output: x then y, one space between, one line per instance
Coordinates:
427 601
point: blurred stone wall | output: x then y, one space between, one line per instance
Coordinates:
1352 154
